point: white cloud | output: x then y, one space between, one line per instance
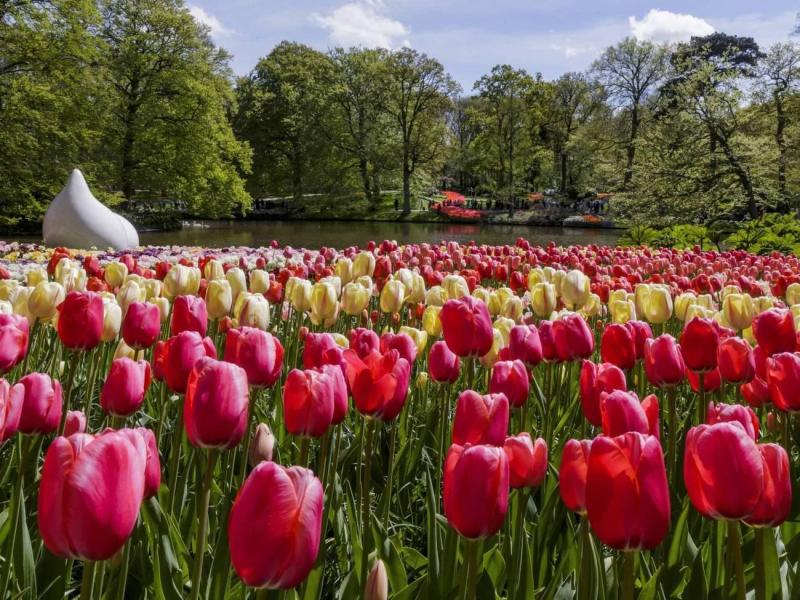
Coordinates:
218 30
362 23
665 26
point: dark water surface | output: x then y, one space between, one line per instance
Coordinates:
313 234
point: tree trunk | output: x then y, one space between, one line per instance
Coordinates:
406 190
742 175
128 160
631 147
563 155
363 169
781 143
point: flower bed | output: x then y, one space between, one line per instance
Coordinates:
431 419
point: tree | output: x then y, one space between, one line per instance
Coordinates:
574 100
357 125
630 72
419 94
170 97
779 77
503 95
282 103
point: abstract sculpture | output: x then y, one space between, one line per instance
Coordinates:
76 219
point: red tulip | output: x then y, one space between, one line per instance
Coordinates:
663 361
476 482
627 494
510 377
618 347
14 333
320 349
363 341
783 381
215 407
378 383
735 360
775 501
259 353
480 419
723 470
308 402
467 326
774 331
711 380
80 320
176 358
594 381
90 493
275 526
572 338
622 413
524 344
641 333
572 474
527 460
699 342
152 469
189 313
744 415
125 387
41 404
74 423
401 342
756 392
141 325
339 388
549 352
443 365
11 400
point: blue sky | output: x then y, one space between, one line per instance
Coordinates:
470 36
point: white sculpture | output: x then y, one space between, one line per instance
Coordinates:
76 219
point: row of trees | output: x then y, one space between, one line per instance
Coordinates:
136 94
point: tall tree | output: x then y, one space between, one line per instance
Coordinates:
503 93
171 95
419 94
630 72
779 77
281 105
574 100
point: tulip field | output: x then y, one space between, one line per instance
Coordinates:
433 421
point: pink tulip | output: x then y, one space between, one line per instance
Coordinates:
480 419
141 325
527 460
259 353
510 377
189 313
14 332
42 404
125 387
11 400
443 365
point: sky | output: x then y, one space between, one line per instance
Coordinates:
470 36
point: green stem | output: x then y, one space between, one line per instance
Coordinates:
735 548
390 480
123 570
701 406
175 457
471 557
583 582
73 367
628 568
87 583
202 526
365 517
760 568
305 444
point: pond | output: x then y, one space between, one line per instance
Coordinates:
313 234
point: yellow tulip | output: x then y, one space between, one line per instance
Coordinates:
793 294
393 295
129 293
682 303
298 292
748 335
416 293
124 351
617 295
365 281
20 301
252 310
484 295
219 298
729 289
344 269
697 310
431 322
62 266
355 299
213 270
419 336
739 310
44 299
575 289
622 311
182 281
512 308
455 286
363 264
593 306
340 340
763 303
658 305
489 359
115 273
641 294
504 326
237 280
259 281
706 301
112 320
535 275
436 296
8 289
324 304
543 299
163 307
35 276
335 282
152 288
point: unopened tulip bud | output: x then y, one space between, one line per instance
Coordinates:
219 298
262 445
236 279
44 299
422 379
355 298
163 308
182 280
259 281
75 423
115 273
377 587
543 299
392 296
35 276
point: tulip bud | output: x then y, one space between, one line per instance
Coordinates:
436 296
236 279
35 276
75 423
324 304
219 298
739 310
259 281
543 299
658 307
181 281
392 296
575 289
44 299
377 587
364 264
115 273
262 445
298 292
252 310
355 298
